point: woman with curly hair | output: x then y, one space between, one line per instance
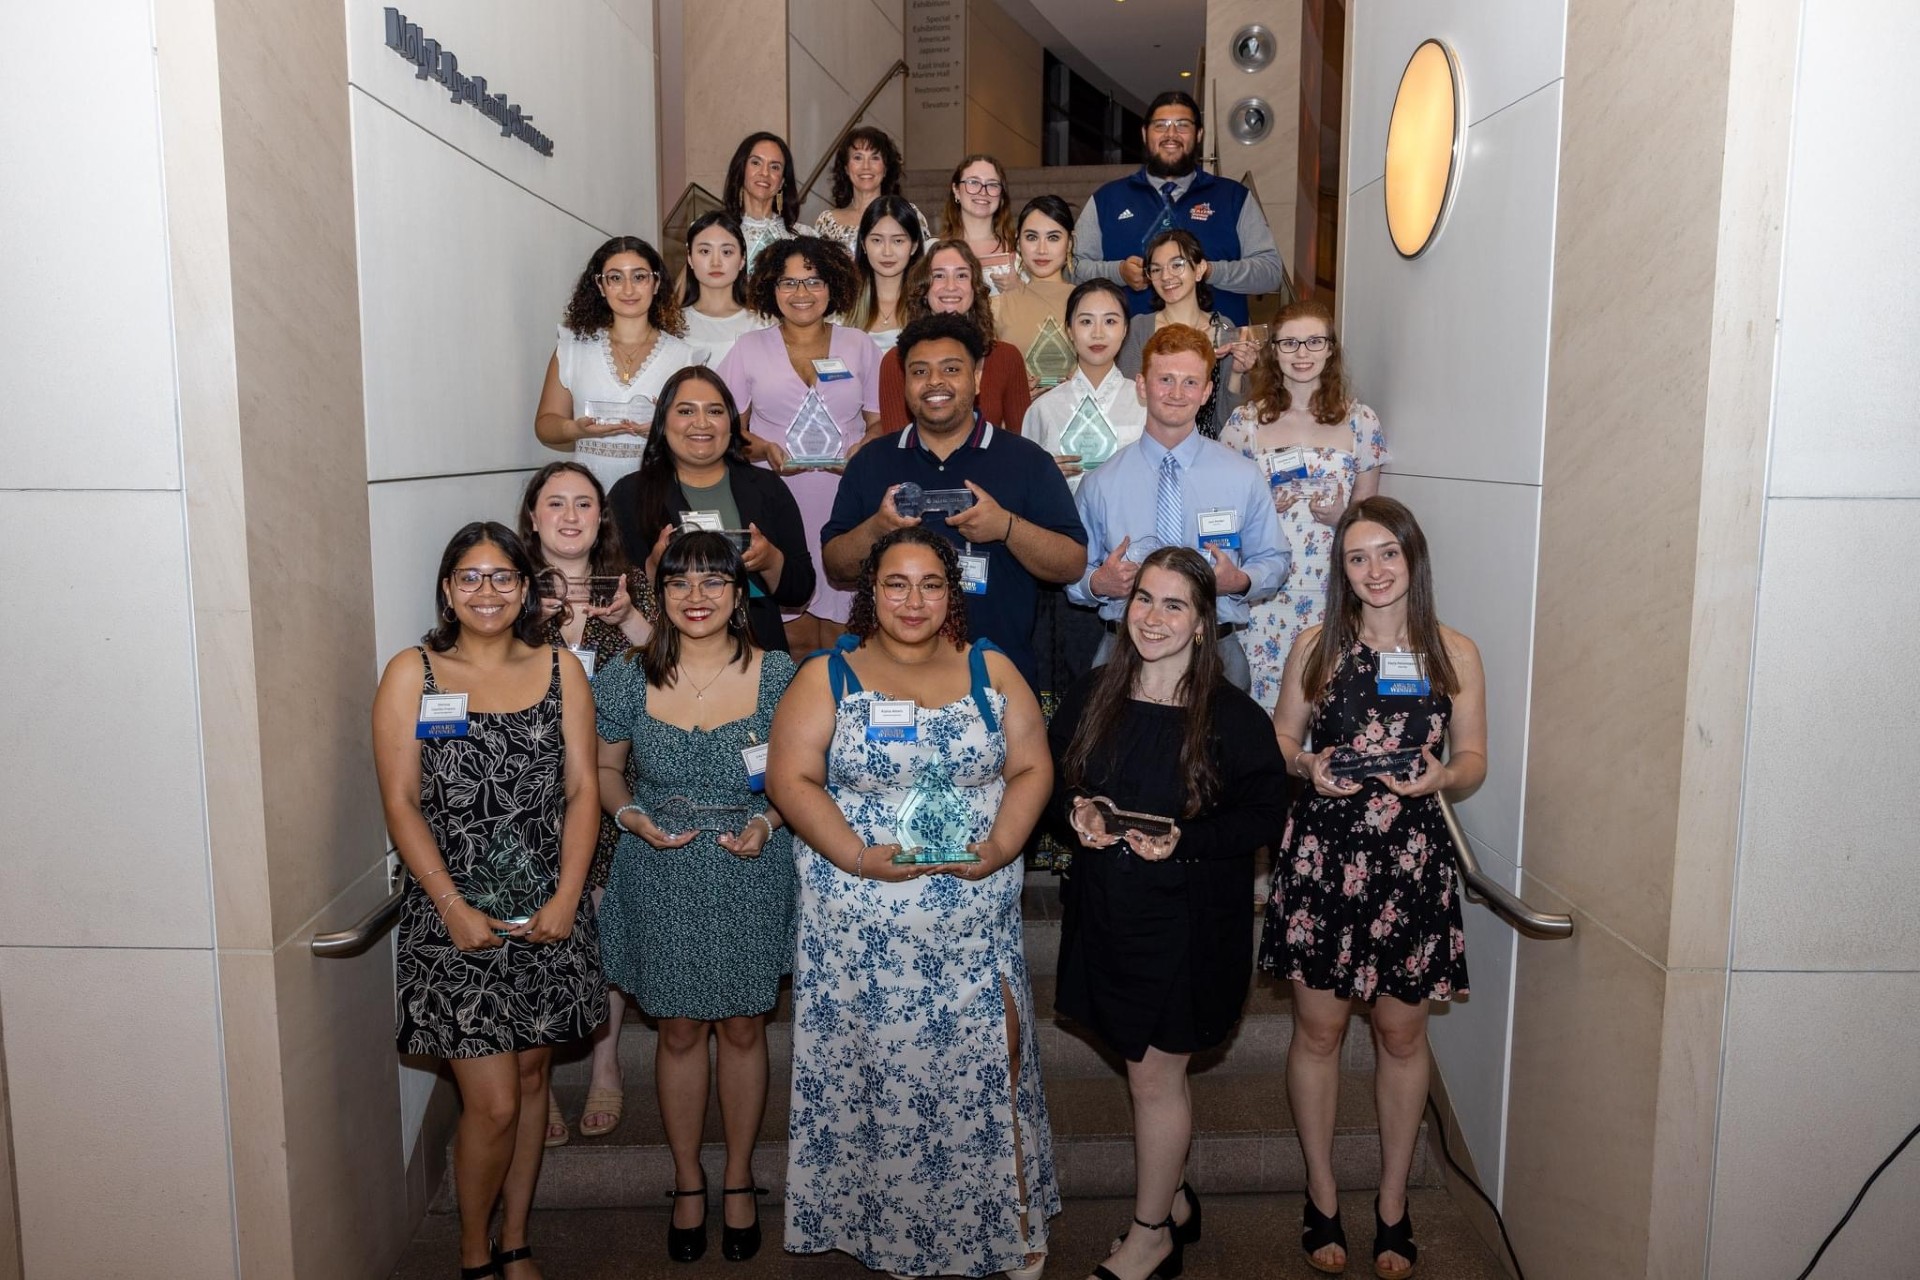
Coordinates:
947 279
805 368
980 212
866 166
618 344
762 193
918 1136
1322 451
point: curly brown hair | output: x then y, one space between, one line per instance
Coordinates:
587 311
920 277
863 620
823 257
1331 401
874 139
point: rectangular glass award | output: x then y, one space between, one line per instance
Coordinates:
909 499
1050 357
1088 435
1118 821
506 882
934 824
1355 765
814 440
637 412
677 815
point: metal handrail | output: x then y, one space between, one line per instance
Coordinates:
1496 897
899 68
365 931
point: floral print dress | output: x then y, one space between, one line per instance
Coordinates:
1365 899
901 1148
1302 599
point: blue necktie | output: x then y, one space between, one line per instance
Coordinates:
1168 190
1168 520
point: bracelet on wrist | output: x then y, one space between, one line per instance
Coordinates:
618 813
451 893
764 821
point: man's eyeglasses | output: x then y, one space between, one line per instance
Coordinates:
1316 344
812 284
468 581
982 186
620 279
1170 126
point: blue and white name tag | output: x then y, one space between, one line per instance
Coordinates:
701 520
588 658
973 573
892 721
1401 675
1219 527
1284 465
755 759
831 369
442 715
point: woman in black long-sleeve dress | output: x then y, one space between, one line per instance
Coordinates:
1156 947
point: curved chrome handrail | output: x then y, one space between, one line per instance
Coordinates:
899 68
1496 896
364 932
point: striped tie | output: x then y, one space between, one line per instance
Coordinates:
1167 518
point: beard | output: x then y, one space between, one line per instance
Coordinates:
1186 164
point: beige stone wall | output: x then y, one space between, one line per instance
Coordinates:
1005 88
836 51
1270 167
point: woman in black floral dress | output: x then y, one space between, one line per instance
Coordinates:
1366 902
486 754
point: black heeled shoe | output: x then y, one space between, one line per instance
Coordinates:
502 1257
1188 1232
486 1270
737 1244
1169 1267
1317 1231
1397 1238
687 1244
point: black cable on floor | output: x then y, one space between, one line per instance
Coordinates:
1864 1188
1440 1128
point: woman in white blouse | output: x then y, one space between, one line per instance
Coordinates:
713 293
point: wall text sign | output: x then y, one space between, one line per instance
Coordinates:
435 63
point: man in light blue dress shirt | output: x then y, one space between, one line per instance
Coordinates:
1175 487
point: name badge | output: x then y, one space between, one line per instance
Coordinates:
973 574
701 520
442 715
1285 464
1219 527
1401 675
755 758
831 369
892 721
588 658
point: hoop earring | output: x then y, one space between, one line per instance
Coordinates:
740 617
446 613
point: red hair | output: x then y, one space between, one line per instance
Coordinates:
1170 339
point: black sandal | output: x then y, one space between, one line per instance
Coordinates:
1397 1238
1168 1268
686 1244
1187 1232
489 1268
501 1259
1317 1231
737 1244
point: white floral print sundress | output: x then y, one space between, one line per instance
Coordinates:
1302 599
901 1142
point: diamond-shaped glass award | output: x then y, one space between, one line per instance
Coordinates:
677 815
814 439
506 881
1050 357
933 824
1089 435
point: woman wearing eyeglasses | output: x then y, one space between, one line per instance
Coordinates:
1177 273
697 924
980 212
619 343
806 369
918 1138
483 741
1322 451
947 280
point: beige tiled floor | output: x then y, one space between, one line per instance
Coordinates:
1246 1236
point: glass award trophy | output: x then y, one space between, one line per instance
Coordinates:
677 815
1355 765
637 412
1142 547
1118 821
1050 357
505 881
814 440
910 500
1088 435
933 823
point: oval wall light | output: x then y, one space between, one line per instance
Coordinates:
1423 147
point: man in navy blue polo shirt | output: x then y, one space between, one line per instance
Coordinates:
1171 190
1022 528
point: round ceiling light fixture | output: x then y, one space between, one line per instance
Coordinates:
1253 48
1424 140
1250 121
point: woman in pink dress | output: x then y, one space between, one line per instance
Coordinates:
802 369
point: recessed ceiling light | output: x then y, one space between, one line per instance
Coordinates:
1186 75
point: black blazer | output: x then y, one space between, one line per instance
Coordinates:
764 500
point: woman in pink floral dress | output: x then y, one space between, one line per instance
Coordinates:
1366 899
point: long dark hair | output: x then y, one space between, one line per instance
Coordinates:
1087 288
1332 401
527 628
786 201
863 620
1342 625
607 556
867 301
689 285
587 311
1196 258
876 139
693 552
1113 687
1054 210
657 484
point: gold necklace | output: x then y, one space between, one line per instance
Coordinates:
700 690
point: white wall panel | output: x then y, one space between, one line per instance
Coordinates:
1471 1037
88 358
411 521
460 290
836 50
1507 50
584 71
1451 348
1844 416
